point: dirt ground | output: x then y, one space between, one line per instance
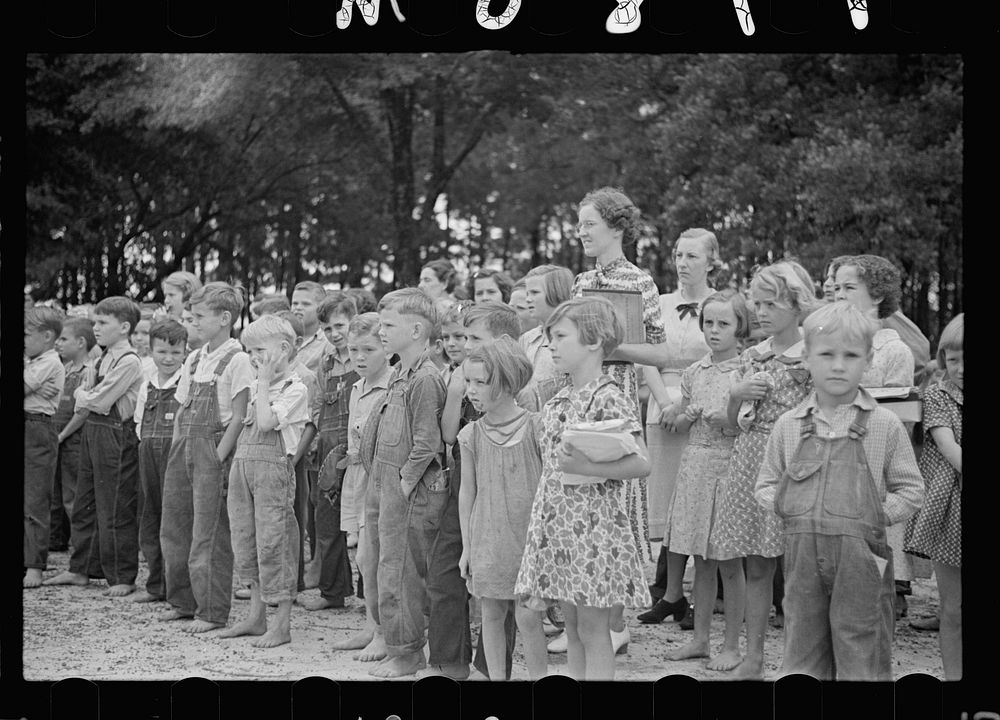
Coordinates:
78 632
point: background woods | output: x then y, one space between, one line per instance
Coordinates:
355 169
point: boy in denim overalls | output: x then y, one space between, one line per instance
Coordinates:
73 346
194 531
404 442
262 483
104 521
44 377
839 469
155 410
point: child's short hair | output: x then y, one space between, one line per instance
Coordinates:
184 281
500 319
121 309
169 331
499 277
840 317
266 328
412 301
739 305
364 324
42 318
596 321
617 210
557 280
220 297
444 271
508 369
364 299
81 327
952 338
298 327
147 311
881 279
336 303
789 283
317 290
709 243
455 314
270 304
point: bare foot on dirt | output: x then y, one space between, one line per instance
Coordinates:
455 672
693 649
120 590
173 614
200 626
375 650
145 597
357 641
250 626
272 638
67 578
320 603
749 670
400 665
32 577
726 660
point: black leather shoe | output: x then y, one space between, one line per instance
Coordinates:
662 609
687 622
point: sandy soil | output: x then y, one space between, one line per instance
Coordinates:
78 632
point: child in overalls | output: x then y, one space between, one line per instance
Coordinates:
839 469
262 483
335 378
194 530
104 510
73 346
155 410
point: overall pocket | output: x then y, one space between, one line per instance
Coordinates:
798 488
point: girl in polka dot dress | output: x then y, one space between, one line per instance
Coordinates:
771 379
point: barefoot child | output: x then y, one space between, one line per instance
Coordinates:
935 532
369 360
262 483
404 451
44 378
773 376
838 469
501 463
194 530
579 548
104 511
155 410
74 345
697 498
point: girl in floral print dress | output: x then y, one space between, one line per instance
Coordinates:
580 550
771 379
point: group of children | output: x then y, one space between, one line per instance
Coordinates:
428 434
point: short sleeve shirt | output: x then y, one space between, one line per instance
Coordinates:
237 376
289 401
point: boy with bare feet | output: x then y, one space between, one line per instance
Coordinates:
367 394
405 460
212 399
155 410
838 470
44 377
104 510
262 483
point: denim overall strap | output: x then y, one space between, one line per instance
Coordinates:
64 413
334 416
256 443
201 417
113 417
159 412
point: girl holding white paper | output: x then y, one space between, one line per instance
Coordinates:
579 549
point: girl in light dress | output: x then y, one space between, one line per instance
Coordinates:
697 498
580 550
772 378
501 464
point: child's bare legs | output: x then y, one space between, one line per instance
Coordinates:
760 573
119 590
255 622
365 635
704 601
173 614
735 592
576 663
145 597
494 638
675 578
536 656
949 582
593 629
280 631
616 620
32 577
367 560
67 578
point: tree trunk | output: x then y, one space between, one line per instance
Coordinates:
398 104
